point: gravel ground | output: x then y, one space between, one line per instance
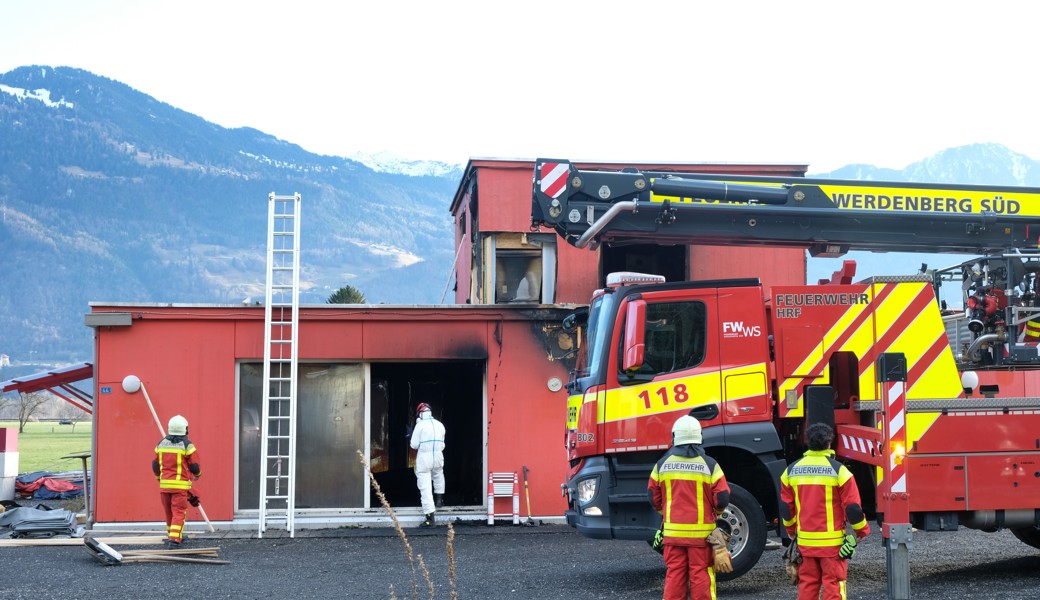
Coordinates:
544 562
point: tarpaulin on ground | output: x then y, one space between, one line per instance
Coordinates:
33 522
40 485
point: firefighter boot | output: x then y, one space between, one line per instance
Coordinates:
428 522
438 500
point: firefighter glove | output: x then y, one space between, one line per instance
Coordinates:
719 539
792 558
657 541
723 561
193 499
848 548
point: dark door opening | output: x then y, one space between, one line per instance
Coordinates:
454 390
670 261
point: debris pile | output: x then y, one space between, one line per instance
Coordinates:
109 556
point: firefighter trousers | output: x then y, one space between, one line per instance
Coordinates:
691 572
827 573
175 505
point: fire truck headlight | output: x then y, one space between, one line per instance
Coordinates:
587 489
593 511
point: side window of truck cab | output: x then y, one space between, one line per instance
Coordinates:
675 335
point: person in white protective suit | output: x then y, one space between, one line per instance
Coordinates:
428 440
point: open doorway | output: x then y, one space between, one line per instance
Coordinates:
669 261
455 391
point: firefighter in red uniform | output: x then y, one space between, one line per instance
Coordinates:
176 463
818 497
690 491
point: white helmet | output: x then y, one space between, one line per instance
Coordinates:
687 430
178 426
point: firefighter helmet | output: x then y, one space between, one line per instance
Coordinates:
178 426
422 407
687 430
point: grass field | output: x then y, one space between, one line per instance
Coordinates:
42 445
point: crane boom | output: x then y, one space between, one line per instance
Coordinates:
827 217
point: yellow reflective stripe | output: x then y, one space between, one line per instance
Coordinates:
711 582
693 535
687 476
668 500
790 522
174 484
692 526
821 538
826 480
829 495
860 525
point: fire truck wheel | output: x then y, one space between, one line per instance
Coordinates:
748 539
1028 535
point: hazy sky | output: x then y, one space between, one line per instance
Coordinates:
824 83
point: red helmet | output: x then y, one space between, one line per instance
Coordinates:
422 406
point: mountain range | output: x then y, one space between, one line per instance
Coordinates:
110 195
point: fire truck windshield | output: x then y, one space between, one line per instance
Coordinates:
591 359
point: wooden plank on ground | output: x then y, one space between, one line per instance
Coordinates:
64 541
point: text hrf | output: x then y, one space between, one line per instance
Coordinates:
677 394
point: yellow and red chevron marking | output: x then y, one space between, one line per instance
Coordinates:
900 317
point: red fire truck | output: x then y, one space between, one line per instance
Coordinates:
757 366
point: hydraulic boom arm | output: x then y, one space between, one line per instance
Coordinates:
828 217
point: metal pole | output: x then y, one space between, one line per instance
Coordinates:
896 530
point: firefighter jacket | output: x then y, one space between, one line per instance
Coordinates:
689 489
819 496
176 463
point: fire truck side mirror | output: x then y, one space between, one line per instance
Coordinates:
635 334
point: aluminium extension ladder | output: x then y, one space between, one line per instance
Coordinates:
281 324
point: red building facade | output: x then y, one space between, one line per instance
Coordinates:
491 365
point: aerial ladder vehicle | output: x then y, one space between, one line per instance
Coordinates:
936 409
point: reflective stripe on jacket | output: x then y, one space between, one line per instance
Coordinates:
818 490
685 487
176 462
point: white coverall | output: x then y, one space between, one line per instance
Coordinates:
428 439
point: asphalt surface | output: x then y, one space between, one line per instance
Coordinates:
544 562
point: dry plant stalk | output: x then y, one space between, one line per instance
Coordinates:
426 576
397 525
451 561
